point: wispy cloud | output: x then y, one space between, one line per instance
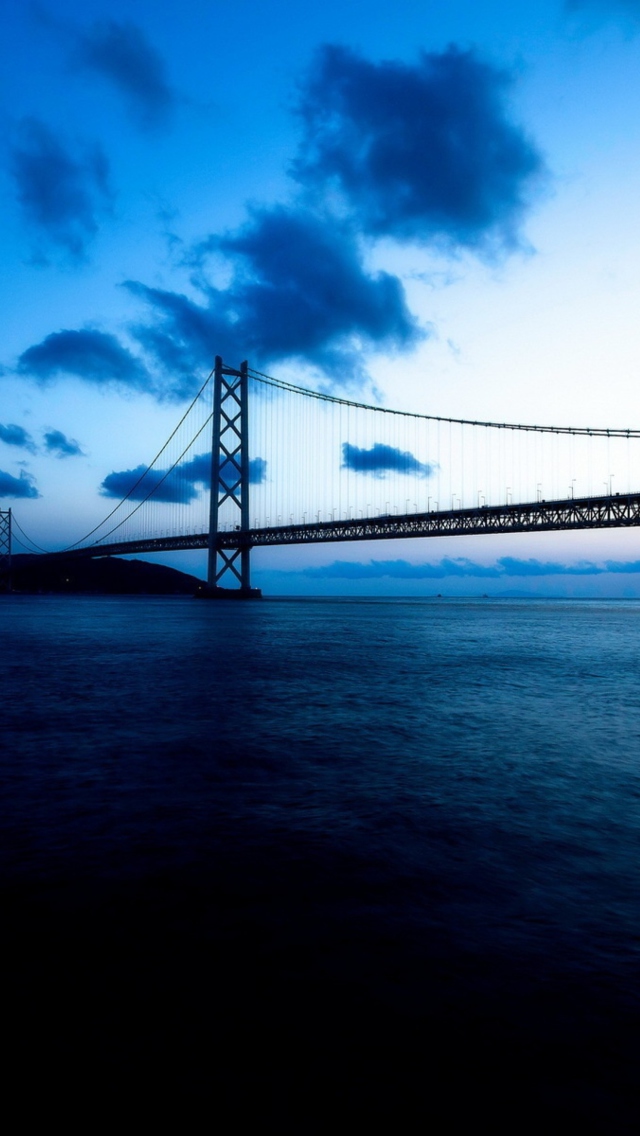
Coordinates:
605 10
57 443
298 291
399 569
94 356
62 194
23 486
13 435
182 484
506 566
380 460
121 53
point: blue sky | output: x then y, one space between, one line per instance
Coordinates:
173 176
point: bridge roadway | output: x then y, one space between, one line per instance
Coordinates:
619 511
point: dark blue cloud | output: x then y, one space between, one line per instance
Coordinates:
14 435
298 291
400 569
57 443
513 567
164 486
423 152
94 356
605 9
505 566
257 471
121 54
622 565
301 289
381 459
22 486
182 336
62 195
181 484
198 470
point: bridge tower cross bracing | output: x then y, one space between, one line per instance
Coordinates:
230 482
5 550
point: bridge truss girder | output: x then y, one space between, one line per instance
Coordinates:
542 516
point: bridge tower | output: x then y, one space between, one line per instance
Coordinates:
5 550
230 481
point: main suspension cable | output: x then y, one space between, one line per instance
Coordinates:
147 470
15 521
153 489
269 380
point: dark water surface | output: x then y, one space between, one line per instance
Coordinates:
300 856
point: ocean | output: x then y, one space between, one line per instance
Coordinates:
325 858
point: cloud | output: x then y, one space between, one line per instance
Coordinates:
622 566
93 356
57 443
605 9
181 484
257 471
198 470
425 152
162 485
512 567
61 195
121 54
298 291
13 435
381 459
182 336
505 566
22 486
400 569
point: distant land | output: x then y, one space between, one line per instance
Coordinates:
106 575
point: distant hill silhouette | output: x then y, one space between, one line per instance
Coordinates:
107 575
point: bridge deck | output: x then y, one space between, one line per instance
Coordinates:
619 511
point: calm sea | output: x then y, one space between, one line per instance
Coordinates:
305 855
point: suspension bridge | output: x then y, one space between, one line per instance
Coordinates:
257 461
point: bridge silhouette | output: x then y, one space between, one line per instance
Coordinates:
287 465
